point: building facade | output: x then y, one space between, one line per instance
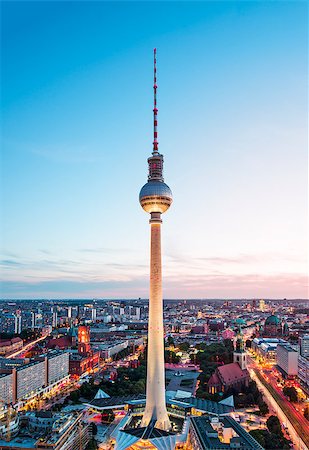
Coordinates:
287 360
304 345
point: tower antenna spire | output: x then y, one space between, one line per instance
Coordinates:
155 110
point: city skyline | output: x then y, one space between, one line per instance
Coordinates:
77 119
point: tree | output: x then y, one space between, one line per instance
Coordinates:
273 425
92 445
248 343
171 357
184 346
258 435
290 392
94 428
170 341
263 408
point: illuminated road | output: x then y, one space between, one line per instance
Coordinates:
297 441
26 347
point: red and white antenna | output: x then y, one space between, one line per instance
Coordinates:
155 110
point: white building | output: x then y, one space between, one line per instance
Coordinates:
18 324
6 387
304 345
57 366
29 379
287 359
93 314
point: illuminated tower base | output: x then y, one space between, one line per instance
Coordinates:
155 392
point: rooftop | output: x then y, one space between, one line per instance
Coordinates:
208 434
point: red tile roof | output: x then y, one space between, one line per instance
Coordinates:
231 372
214 380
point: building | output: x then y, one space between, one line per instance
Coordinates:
28 380
93 314
86 359
303 372
8 323
69 432
40 421
240 355
273 327
49 431
83 339
18 322
226 377
287 360
55 317
304 345
9 423
234 375
266 348
21 381
57 367
6 387
11 345
219 433
109 349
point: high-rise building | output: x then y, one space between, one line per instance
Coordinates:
33 320
155 198
69 313
18 322
55 317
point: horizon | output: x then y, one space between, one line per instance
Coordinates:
77 132
110 299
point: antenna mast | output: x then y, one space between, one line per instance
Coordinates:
155 110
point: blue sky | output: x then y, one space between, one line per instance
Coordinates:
76 132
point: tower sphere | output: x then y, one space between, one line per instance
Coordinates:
155 196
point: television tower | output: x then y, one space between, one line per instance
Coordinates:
155 198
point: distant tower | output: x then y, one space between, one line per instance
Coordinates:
83 339
155 198
239 354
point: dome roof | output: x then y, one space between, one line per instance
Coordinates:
272 320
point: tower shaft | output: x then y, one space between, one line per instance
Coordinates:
155 391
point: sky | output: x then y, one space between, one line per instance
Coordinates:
76 114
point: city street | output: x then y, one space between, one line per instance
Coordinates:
297 441
26 348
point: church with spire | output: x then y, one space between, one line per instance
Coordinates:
234 375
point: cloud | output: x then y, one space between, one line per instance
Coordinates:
10 262
208 286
